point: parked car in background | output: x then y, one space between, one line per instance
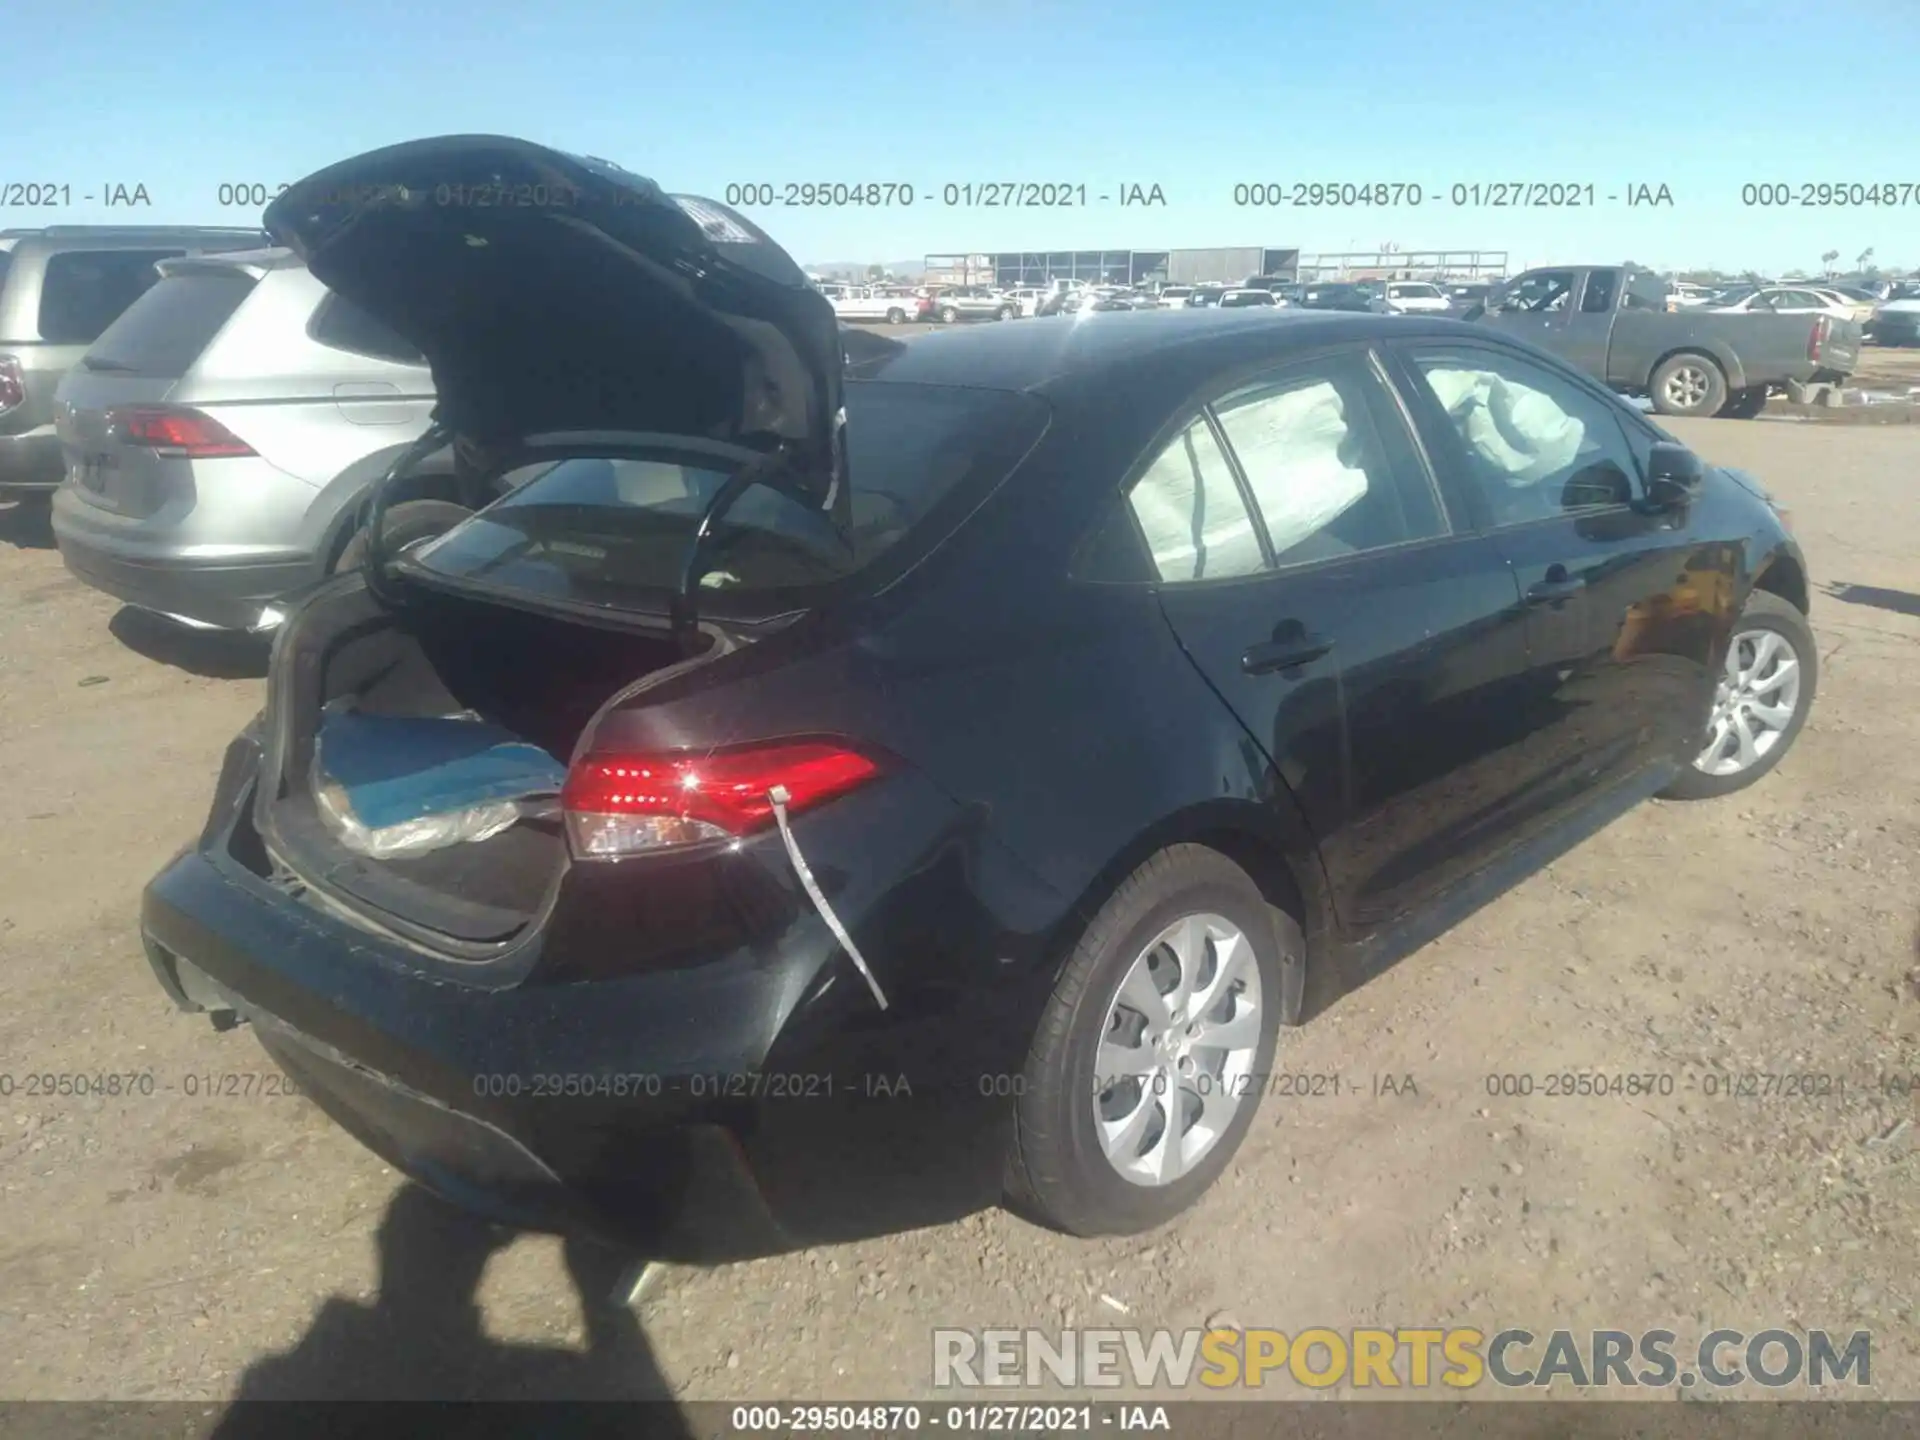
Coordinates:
1685 294
1780 300
60 287
1612 322
220 436
865 302
1276 670
1337 295
1860 304
1248 300
1175 297
1055 295
973 302
1412 297
1897 322
1465 294
1028 298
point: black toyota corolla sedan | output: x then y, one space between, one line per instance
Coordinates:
821 781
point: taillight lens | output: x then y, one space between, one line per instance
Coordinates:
13 385
621 805
1817 341
178 434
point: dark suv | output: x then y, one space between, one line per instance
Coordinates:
60 287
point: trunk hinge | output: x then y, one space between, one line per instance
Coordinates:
433 439
778 797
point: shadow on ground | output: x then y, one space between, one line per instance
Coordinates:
26 524
215 654
1900 602
421 1339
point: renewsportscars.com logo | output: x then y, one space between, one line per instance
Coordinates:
1458 1358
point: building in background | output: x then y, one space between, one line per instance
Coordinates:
1397 264
1227 264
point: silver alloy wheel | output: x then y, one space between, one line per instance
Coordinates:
1754 703
1176 1049
1687 387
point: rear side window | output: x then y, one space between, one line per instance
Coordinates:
1191 514
343 325
612 532
1321 468
165 330
85 291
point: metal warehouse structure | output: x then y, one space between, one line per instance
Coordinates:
1112 267
1405 264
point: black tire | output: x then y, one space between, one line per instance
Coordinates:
401 526
1765 611
1745 404
1665 387
1058 1174
948 315
896 316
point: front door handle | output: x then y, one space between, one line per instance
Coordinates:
1558 585
1286 651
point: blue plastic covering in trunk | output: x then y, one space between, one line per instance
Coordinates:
400 768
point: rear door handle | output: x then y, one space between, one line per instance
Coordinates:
1284 654
1554 588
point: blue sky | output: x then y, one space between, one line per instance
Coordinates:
1193 97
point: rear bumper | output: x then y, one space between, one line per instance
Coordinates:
31 464
227 594
710 1112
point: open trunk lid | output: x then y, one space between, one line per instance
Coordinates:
555 293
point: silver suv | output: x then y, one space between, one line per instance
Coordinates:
220 435
60 287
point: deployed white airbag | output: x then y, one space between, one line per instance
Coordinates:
1517 430
1289 445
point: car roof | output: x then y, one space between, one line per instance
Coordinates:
56 237
1040 354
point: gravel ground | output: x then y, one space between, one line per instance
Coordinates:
181 1246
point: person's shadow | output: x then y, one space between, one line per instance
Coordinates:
421 1340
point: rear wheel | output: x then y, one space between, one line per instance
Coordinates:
405 524
1152 1053
1008 312
1761 703
896 316
1689 384
1745 404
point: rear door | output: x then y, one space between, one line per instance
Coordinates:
1314 574
1621 602
1587 331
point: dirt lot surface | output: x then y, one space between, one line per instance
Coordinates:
162 1245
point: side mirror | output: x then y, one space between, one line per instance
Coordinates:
1674 475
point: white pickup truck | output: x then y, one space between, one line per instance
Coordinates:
864 302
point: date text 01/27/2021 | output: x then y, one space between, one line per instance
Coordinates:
952 194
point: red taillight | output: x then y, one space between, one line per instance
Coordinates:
1817 342
13 385
180 434
619 805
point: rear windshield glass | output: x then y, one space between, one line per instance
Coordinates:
85 291
165 330
612 532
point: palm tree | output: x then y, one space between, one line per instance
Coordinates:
1826 261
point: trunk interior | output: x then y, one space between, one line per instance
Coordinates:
542 678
